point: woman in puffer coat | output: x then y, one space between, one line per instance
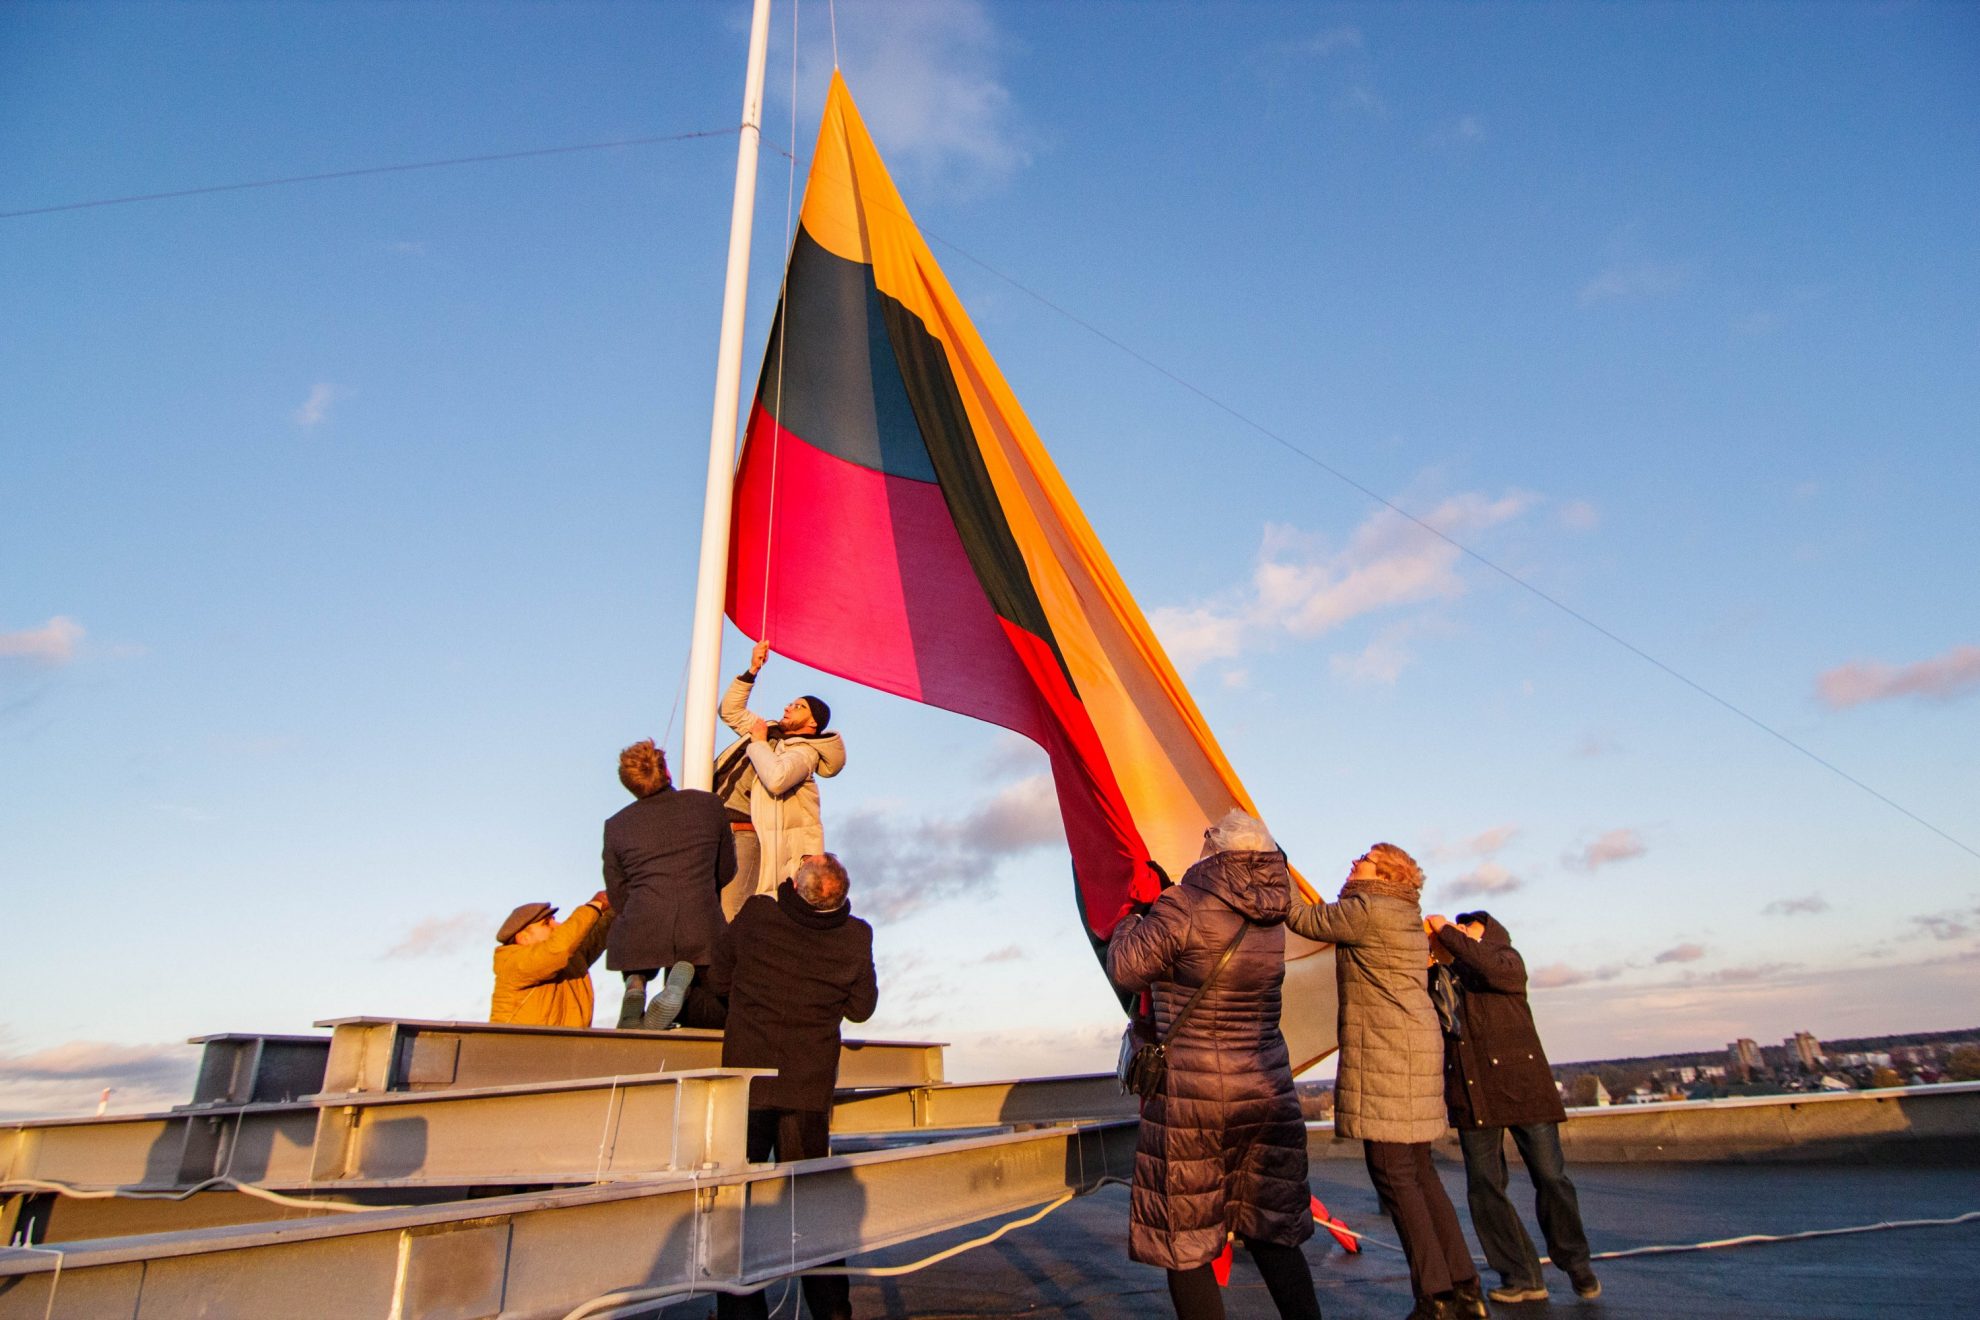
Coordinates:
1389 1091
1222 1147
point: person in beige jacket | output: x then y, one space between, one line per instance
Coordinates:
543 966
1389 1092
768 783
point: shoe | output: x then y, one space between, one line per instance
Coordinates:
666 1005
632 1005
1508 1294
1586 1286
1435 1308
1470 1300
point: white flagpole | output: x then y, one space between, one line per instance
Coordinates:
697 768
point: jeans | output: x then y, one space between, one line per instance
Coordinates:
1196 1296
791 1134
1507 1247
749 853
1425 1220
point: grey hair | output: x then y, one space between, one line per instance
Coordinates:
1238 831
821 881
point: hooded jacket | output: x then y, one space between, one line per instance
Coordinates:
777 780
1495 1073
1390 1086
548 984
792 973
1222 1145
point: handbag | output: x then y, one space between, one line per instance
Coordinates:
1144 1061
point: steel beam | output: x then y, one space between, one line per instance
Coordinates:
957 1106
239 1069
556 1132
403 1054
538 1255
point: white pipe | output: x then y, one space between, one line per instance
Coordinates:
697 767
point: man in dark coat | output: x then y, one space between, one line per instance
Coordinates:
1496 1080
1222 1146
667 857
793 967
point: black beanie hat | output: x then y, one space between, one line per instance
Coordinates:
819 711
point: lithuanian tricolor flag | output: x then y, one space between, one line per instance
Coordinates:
898 523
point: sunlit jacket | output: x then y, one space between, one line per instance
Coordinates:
549 984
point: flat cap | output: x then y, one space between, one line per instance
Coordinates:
523 916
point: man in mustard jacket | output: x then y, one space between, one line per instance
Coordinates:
543 966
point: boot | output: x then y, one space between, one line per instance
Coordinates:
666 1005
1470 1299
1440 1307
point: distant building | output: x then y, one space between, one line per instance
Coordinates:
1743 1059
1807 1051
1710 1071
1686 1076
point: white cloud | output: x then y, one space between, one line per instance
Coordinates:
51 643
1487 879
899 866
1557 976
1302 587
316 408
1490 841
1330 42
1788 907
70 1078
927 77
438 936
1381 661
1642 279
1579 516
1461 131
1942 678
1682 953
1613 846
1360 98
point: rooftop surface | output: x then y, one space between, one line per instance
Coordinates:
1074 1263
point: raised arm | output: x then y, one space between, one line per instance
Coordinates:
1499 966
560 955
1329 923
781 769
1143 949
735 703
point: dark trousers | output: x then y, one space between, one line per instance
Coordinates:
702 1007
1197 1297
1507 1247
791 1134
1426 1222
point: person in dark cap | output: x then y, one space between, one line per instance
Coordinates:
543 966
1497 1082
768 783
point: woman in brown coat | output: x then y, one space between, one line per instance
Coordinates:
1222 1147
1389 1092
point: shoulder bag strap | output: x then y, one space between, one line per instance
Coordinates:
1229 949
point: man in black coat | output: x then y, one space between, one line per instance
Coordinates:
667 857
794 966
1496 1080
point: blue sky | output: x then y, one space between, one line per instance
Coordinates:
350 526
